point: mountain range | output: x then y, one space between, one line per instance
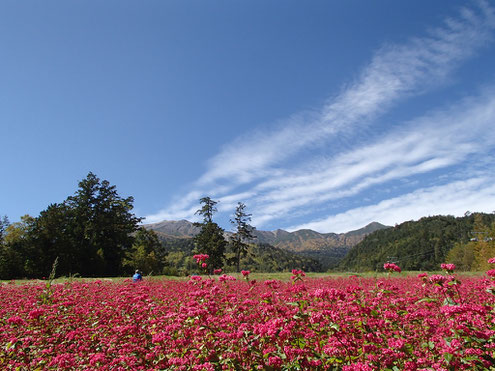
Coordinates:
328 248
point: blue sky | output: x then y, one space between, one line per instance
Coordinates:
325 114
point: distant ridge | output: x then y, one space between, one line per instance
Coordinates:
175 228
307 239
329 248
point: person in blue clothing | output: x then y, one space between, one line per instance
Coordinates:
137 276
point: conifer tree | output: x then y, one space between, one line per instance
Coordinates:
242 235
210 239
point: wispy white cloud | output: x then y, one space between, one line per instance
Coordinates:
477 194
184 206
266 168
436 141
394 72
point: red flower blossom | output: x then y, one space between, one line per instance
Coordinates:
391 267
448 267
209 324
200 258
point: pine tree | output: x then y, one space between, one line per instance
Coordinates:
102 227
210 239
243 234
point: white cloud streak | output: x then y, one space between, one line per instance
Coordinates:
436 141
394 72
255 169
476 194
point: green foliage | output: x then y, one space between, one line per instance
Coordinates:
89 233
462 255
258 258
483 242
102 227
267 258
474 254
146 253
417 245
4 223
46 296
177 254
207 210
243 234
17 253
328 259
210 239
51 238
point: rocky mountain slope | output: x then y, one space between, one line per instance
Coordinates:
328 248
309 240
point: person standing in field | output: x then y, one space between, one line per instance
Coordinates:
137 276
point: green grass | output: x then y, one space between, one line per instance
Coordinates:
283 276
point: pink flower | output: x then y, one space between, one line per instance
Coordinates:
204 265
36 313
16 320
298 272
491 260
224 278
491 273
364 324
245 273
391 267
217 271
437 278
448 267
200 257
275 361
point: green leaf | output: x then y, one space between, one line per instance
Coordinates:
426 300
335 326
449 301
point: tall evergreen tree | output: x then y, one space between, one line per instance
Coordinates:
210 239
51 237
243 233
207 210
102 226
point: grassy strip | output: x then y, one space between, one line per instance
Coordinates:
282 276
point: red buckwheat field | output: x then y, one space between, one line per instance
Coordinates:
400 323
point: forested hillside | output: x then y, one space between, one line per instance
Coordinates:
259 258
426 243
326 248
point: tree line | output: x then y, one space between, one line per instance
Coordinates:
91 233
94 233
467 241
